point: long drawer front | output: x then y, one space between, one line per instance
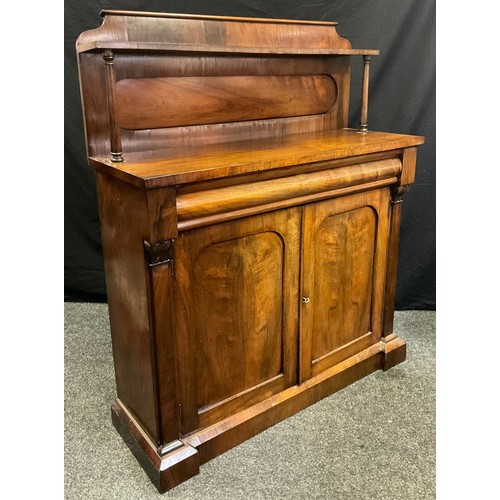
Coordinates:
226 203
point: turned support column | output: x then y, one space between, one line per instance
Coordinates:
363 121
395 347
397 193
114 130
406 178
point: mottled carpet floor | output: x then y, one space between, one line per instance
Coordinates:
373 440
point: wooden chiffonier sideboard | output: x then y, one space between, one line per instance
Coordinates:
250 237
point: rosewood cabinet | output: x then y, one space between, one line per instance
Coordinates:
250 237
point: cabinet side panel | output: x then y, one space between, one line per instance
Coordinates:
124 222
94 104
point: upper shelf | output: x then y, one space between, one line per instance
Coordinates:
162 32
175 47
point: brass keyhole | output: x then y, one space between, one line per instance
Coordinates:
305 300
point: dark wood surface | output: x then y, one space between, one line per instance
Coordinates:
363 120
135 30
253 194
153 67
210 442
166 471
178 166
237 290
250 239
343 274
124 222
146 103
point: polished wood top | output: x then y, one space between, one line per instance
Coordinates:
176 166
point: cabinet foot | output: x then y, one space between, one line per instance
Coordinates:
394 351
165 471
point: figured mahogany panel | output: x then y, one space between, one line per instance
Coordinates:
238 350
344 258
344 251
145 103
237 321
149 66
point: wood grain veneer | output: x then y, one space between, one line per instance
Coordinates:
250 238
146 103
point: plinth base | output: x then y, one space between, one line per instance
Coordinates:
167 471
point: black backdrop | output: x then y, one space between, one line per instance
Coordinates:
402 100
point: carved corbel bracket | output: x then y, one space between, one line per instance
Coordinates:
397 193
160 252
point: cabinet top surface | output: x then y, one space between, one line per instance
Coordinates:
176 166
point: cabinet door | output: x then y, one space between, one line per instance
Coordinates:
236 314
343 274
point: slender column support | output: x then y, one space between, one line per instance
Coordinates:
394 347
363 122
397 193
114 130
